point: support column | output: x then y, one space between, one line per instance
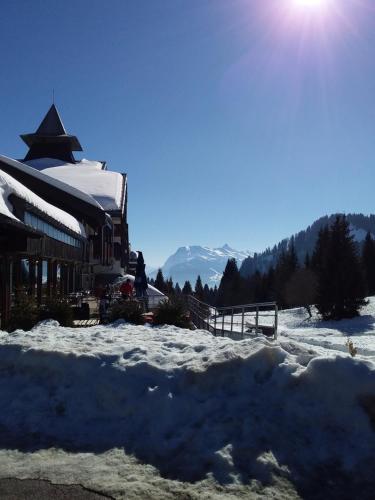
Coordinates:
39 281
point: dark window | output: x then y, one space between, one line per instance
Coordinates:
38 223
117 251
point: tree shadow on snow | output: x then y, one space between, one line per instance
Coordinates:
361 325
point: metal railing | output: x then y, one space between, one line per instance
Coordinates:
236 322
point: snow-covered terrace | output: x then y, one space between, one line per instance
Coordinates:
10 186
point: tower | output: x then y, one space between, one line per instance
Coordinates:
51 140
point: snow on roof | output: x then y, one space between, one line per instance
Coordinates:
86 175
30 170
9 185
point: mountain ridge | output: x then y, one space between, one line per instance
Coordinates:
304 241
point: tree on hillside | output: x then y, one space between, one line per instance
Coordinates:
160 282
368 263
198 290
169 288
187 289
341 289
206 294
230 290
177 289
286 266
301 289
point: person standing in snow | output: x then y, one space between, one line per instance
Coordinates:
126 289
140 281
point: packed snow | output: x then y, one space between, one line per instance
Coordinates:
9 185
86 175
193 407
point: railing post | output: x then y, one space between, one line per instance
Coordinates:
215 318
256 319
276 320
243 321
231 322
222 325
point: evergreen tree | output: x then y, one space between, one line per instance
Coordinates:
368 263
301 289
160 282
214 296
169 288
319 257
340 282
177 289
206 294
187 290
307 261
230 291
286 266
198 291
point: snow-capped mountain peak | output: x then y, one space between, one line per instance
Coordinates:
190 261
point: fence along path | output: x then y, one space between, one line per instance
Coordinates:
237 322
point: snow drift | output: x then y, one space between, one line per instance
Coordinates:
188 403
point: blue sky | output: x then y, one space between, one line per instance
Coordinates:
237 121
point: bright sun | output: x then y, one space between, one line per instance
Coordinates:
310 3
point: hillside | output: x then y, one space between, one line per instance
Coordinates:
304 242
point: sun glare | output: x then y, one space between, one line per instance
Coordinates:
310 3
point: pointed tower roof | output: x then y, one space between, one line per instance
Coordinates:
51 139
51 124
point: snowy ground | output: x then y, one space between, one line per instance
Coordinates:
331 336
138 412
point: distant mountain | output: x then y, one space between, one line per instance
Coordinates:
304 242
190 261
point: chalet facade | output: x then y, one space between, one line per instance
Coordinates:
63 222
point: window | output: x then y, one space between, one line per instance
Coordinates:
37 223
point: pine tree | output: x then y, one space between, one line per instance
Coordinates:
286 266
206 294
341 288
368 263
230 291
301 289
160 282
169 288
198 291
177 289
187 289
307 261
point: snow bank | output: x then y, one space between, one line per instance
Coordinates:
9 185
104 186
189 404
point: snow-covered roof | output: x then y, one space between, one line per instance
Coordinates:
9 185
88 176
63 186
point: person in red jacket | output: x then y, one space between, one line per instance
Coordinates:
126 289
